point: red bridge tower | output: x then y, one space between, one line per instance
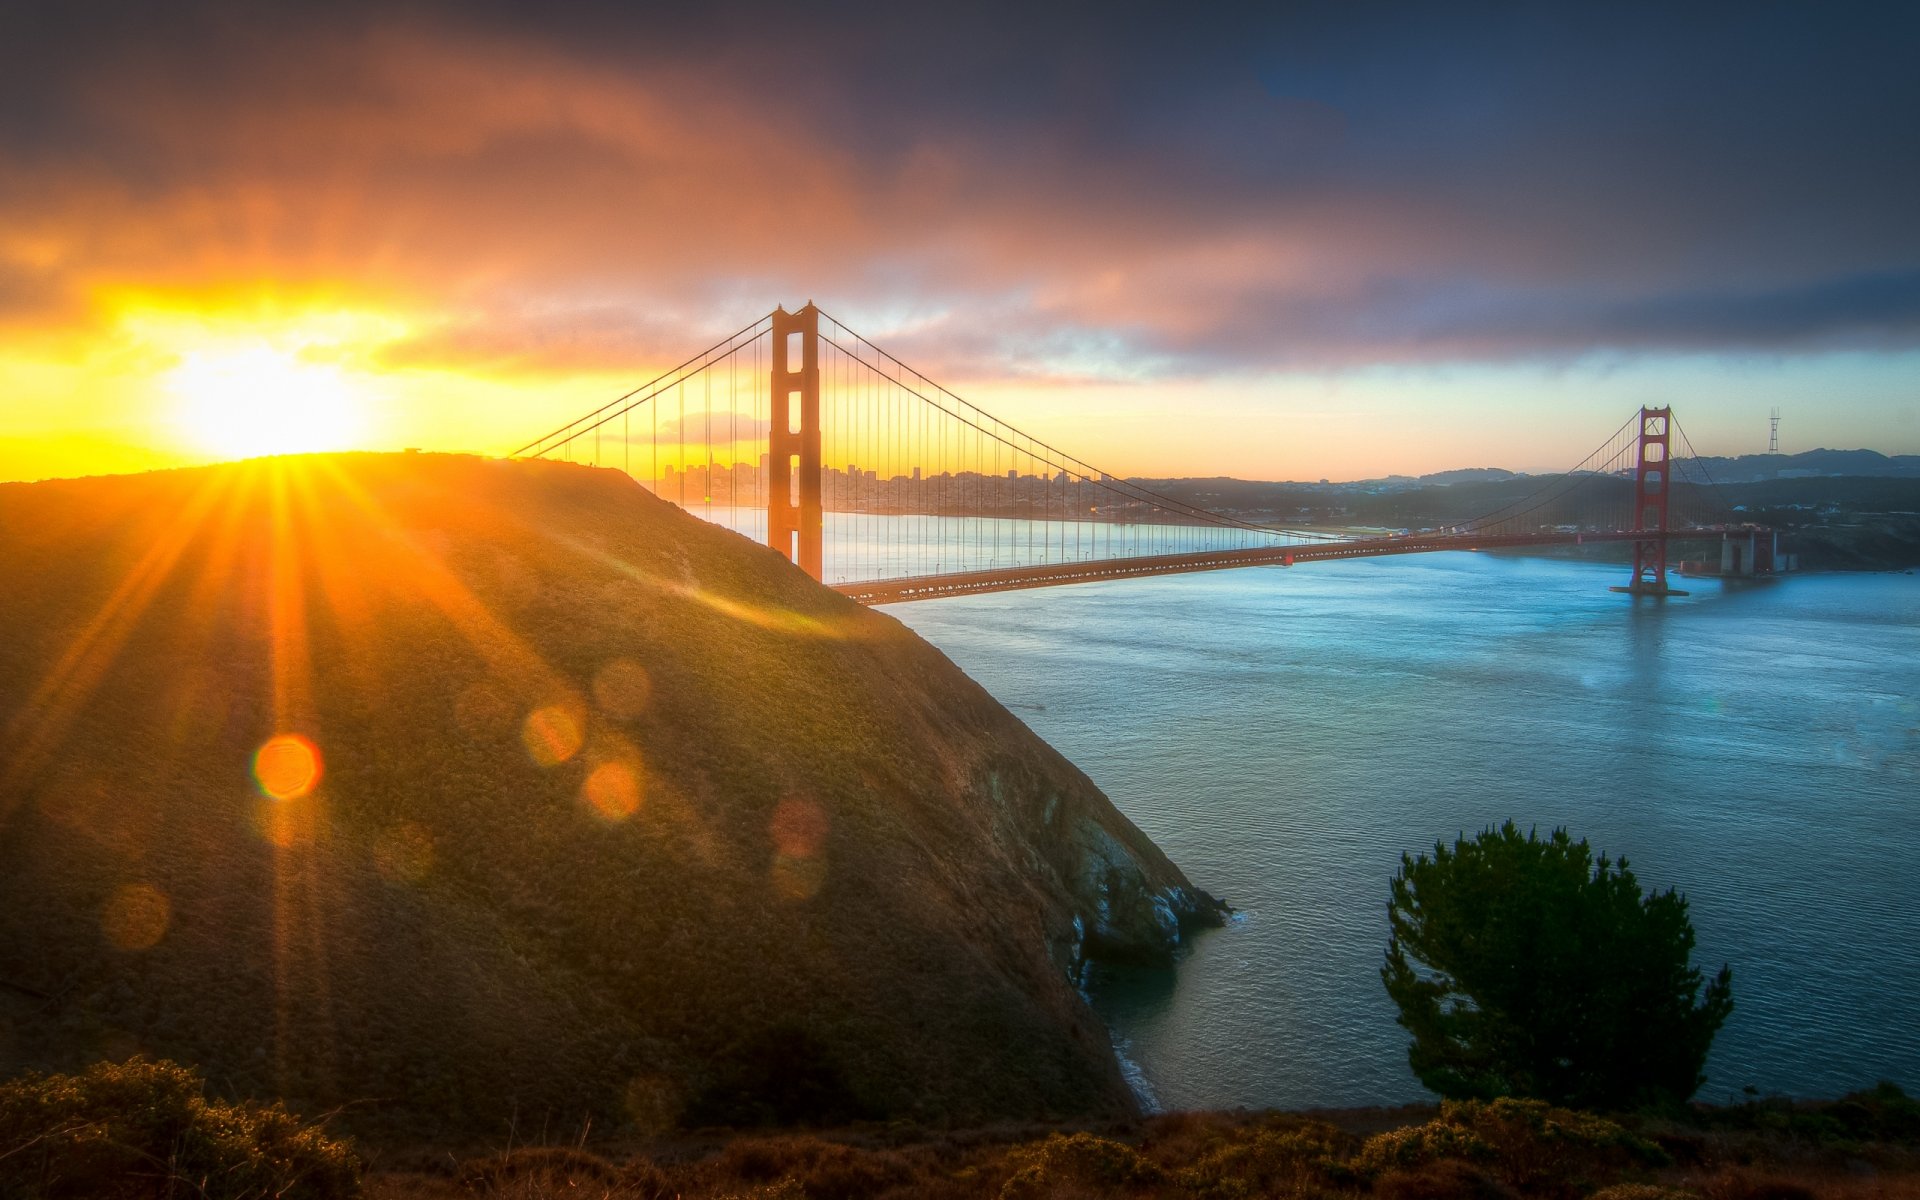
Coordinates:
1652 478
794 521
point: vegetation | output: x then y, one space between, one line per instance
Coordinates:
1525 1144
1467 1150
147 1129
618 818
1523 967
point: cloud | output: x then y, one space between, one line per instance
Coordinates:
1005 193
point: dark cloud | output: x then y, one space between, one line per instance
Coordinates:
1036 190
1874 310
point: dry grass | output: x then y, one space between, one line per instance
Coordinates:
1500 1151
143 1129
146 1129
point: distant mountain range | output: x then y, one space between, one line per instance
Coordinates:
1466 475
1808 464
1747 468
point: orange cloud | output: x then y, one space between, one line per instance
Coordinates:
540 209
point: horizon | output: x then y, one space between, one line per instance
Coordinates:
1324 482
1152 479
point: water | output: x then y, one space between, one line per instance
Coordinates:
866 546
1286 734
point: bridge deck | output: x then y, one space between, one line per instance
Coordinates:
1012 579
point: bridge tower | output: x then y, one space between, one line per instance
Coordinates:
794 521
1652 477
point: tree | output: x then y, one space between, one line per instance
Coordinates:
1523 968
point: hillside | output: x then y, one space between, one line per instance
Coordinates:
617 815
1822 463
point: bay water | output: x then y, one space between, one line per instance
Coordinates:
1287 734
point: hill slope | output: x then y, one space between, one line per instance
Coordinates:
617 814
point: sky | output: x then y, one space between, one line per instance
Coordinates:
1291 241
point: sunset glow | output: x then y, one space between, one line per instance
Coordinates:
1310 242
710 600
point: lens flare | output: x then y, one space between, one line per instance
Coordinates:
136 917
613 790
622 689
799 830
799 826
285 824
287 766
552 735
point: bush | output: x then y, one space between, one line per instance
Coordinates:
143 1128
1419 1145
1523 968
1446 1179
1524 1144
1738 1185
540 1168
822 1169
1640 1191
1046 1167
1269 1161
1883 1112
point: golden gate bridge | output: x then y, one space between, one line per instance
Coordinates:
879 482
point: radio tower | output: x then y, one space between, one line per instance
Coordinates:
1773 433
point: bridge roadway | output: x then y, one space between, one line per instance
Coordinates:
1013 579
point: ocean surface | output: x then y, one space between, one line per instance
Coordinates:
1287 734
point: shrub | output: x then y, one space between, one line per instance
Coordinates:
1269 1160
1738 1185
823 1170
1446 1179
1640 1191
547 1166
1883 1112
144 1128
1524 1143
1043 1168
1418 1145
1524 968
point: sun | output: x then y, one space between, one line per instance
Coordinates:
253 400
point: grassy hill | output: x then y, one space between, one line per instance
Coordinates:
467 792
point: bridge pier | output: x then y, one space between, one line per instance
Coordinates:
1658 591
